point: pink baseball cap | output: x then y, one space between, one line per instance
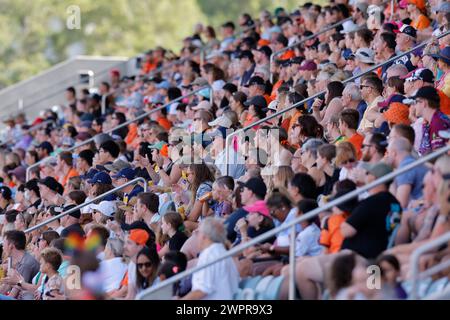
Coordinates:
259 207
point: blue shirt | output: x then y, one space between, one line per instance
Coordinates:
362 106
136 190
413 177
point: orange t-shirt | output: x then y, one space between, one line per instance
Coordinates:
132 133
72 173
331 236
445 102
422 22
163 122
357 140
275 87
285 124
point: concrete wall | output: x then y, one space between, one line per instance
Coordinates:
47 88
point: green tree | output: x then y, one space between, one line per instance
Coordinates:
34 36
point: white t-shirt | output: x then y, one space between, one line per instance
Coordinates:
113 271
219 281
132 275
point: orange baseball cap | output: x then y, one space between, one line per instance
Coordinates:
139 236
398 113
418 3
263 42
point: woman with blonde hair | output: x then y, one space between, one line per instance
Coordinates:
277 177
346 159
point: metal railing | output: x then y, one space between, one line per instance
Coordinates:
281 112
311 214
142 116
71 82
315 35
33 128
416 276
99 197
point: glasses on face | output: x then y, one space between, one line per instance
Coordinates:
362 86
366 146
145 265
349 161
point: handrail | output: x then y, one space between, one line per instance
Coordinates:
295 105
33 128
67 79
311 214
99 197
142 116
315 35
416 256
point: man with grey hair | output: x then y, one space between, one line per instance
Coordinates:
219 281
352 99
113 266
407 186
396 70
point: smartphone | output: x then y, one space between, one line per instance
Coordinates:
9 265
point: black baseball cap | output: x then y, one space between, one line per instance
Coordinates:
257 186
257 101
266 50
139 225
408 30
76 214
255 80
427 93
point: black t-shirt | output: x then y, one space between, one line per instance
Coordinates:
177 241
369 220
74 228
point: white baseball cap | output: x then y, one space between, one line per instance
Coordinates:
107 208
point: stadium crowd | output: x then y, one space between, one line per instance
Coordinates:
197 205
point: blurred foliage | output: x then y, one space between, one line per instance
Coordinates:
34 36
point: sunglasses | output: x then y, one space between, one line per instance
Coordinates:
349 161
146 265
